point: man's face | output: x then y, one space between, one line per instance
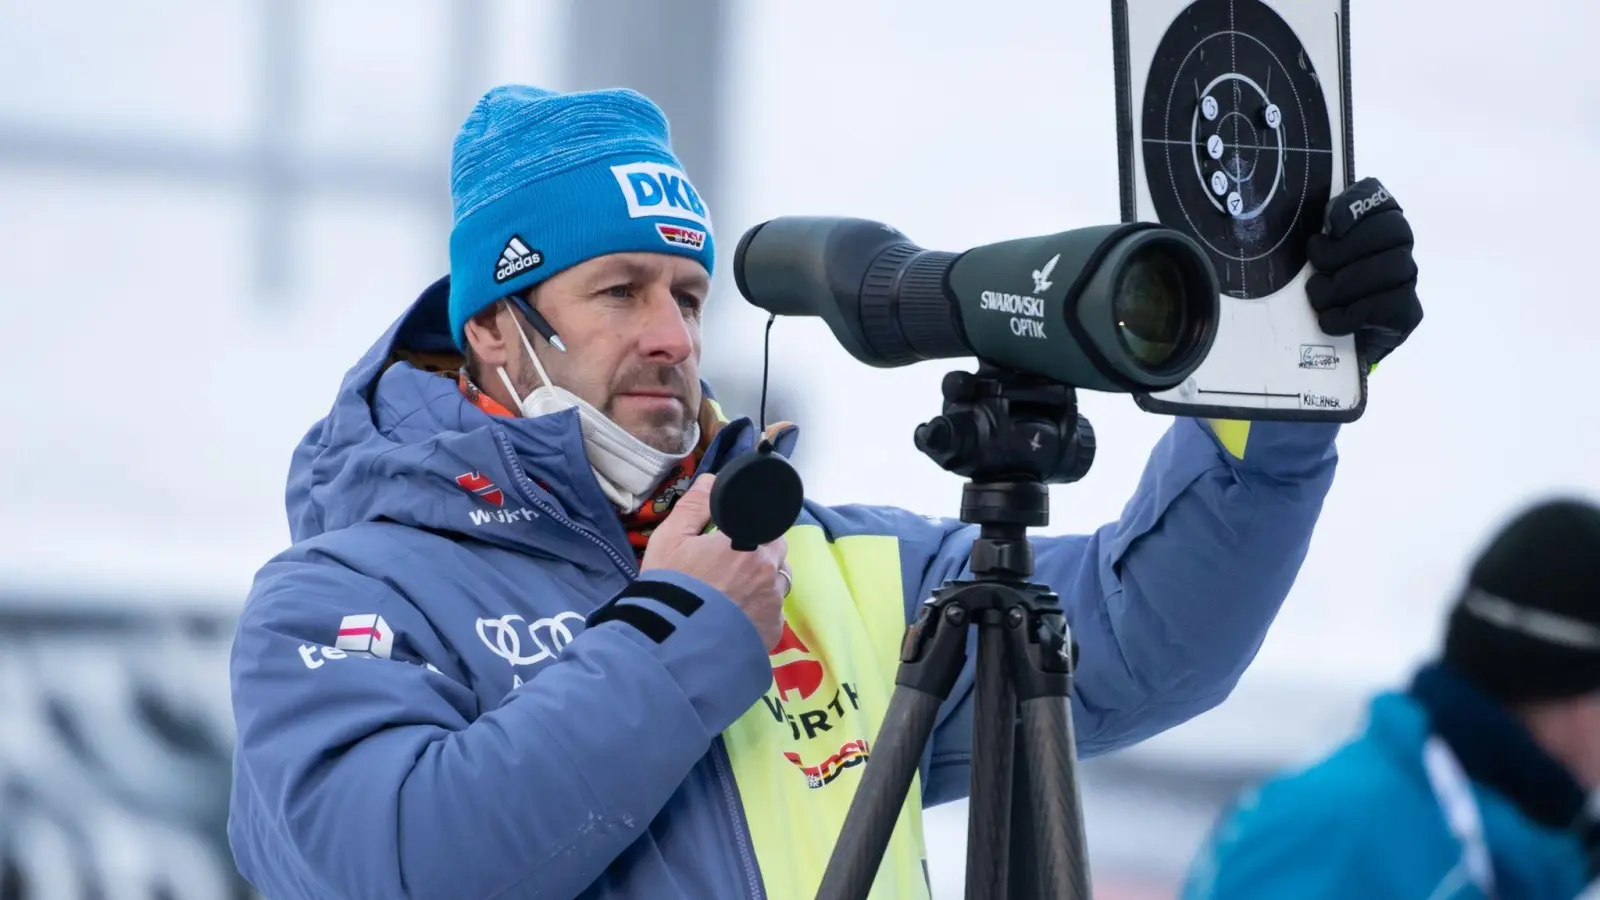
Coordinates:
1569 730
1586 712
631 325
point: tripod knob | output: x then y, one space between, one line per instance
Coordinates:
959 387
1083 455
951 440
936 438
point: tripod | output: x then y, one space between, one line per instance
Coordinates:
1011 435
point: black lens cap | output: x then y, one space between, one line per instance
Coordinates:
756 498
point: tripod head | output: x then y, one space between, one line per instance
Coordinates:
1011 434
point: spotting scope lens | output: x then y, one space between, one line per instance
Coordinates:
1131 307
1153 306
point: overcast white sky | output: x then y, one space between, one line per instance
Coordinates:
963 129
154 398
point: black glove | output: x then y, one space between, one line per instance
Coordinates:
1365 281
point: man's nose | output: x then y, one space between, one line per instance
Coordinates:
665 333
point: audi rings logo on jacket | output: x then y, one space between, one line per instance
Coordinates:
546 637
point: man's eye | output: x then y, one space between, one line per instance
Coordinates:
689 300
620 291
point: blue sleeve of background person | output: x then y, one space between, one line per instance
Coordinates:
1170 603
378 778
1349 826
1307 852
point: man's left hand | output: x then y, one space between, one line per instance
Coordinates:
1365 280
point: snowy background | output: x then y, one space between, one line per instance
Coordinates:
209 209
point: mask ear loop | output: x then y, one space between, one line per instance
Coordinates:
519 304
539 322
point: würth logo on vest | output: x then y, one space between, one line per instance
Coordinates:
515 259
815 704
793 668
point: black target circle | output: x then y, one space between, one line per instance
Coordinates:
1238 148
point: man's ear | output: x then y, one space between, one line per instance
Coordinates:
488 338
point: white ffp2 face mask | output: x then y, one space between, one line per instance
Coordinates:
628 469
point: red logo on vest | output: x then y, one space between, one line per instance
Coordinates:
801 673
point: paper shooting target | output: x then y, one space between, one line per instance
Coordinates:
1237 144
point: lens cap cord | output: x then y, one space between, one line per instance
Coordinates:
1011 435
758 495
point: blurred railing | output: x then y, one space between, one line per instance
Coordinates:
116 736
115 743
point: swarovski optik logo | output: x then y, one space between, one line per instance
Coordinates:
1041 277
1016 304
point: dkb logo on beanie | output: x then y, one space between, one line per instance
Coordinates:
653 190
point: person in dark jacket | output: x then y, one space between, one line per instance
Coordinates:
504 659
1479 779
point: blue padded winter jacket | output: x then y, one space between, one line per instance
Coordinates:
427 705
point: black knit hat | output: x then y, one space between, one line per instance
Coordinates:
1527 625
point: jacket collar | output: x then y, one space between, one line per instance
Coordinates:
402 443
1497 751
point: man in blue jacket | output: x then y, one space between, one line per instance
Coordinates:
1479 779
504 658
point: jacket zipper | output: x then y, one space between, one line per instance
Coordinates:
723 764
741 834
719 751
531 493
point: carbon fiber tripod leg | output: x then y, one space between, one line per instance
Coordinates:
1051 861
931 659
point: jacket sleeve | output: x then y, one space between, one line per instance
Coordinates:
1317 853
365 777
1168 604
1349 825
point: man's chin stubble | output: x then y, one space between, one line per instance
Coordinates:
666 440
663 432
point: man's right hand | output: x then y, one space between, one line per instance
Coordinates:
752 579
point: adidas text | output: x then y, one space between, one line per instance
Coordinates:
515 259
502 516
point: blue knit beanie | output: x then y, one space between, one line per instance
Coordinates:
541 181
